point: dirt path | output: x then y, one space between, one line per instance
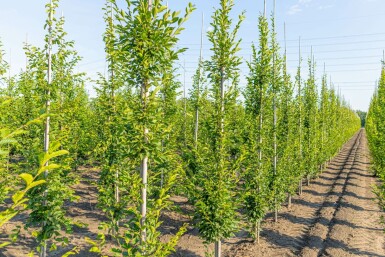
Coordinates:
336 216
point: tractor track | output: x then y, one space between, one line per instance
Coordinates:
316 239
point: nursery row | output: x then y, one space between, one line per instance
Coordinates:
235 151
375 128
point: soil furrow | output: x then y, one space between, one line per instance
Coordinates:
320 231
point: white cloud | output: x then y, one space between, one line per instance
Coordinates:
324 7
294 9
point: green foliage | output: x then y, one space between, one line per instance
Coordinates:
310 143
376 133
32 181
215 212
362 116
137 102
258 102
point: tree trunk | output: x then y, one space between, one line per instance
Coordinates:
218 248
289 201
300 187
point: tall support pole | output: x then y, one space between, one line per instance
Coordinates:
261 108
222 85
315 118
143 167
275 115
198 88
185 101
264 8
285 74
43 249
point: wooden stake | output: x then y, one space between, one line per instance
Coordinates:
300 111
143 167
43 250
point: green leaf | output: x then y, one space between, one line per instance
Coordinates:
4 244
49 167
18 196
35 184
27 178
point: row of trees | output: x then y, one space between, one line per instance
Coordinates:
150 142
376 134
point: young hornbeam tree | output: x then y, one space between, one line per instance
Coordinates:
324 122
50 72
197 87
300 120
258 112
4 126
148 33
333 119
287 133
310 99
277 184
110 110
71 101
200 106
215 208
376 131
197 92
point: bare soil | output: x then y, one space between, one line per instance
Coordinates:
337 215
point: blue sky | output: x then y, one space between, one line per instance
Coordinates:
347 35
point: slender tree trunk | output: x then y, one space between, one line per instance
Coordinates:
218 248
257 231
289 201
275 154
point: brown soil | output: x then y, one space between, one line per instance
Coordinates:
336 215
